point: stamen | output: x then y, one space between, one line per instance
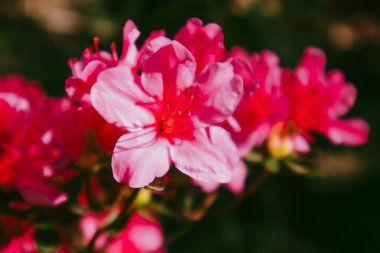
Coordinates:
114 52
96 45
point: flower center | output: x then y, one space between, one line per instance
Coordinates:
174 120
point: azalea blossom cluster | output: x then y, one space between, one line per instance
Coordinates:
180 114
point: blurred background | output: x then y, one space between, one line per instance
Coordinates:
289 213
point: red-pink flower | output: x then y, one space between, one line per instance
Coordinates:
169 113
38 139
285 107
141 235
317 101
262 104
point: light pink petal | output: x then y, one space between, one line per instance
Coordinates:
139 158
166 64
345 94
237 183
211 157
116 96
89 224
207 187
220 91
91 71
146 235
300 144
38 193
130 35
349 132
140 235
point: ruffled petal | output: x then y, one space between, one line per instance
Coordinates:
218 93
116 96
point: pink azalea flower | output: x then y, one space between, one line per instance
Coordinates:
262 104
141 235
205 43
38 139
170 115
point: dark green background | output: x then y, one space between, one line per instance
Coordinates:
289 213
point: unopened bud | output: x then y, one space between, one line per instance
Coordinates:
280 146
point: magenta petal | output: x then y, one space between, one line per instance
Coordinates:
350 132
139 158
312 65
212 156
205 43
220 92
116 96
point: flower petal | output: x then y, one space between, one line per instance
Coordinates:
219 94
237 183
349 132
205 43
139 158
130 35
116 96
165 65
212 156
